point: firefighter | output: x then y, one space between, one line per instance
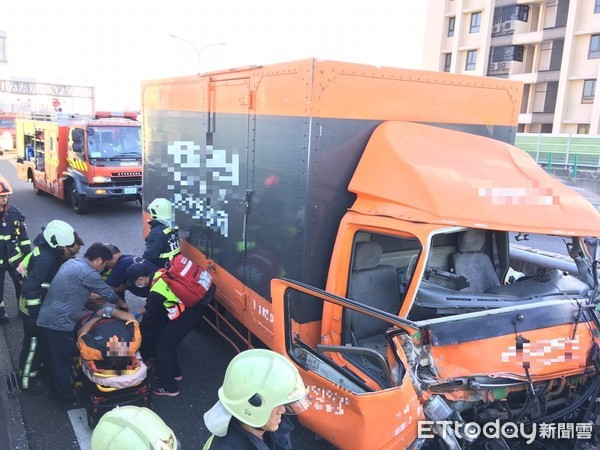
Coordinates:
57 243
14 243
162 243
133 428
259 387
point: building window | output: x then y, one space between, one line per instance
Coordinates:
594 47
447 62
589 88
2 48
583 128
507 53
451 24
471 60
475 22
597 7
512 12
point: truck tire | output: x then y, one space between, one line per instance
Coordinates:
36 189
79 203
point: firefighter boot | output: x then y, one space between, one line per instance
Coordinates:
35 386
3 316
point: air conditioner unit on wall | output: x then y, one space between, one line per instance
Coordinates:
497 28
509 26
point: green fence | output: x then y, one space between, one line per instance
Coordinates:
566 151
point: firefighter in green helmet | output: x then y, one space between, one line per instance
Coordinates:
162 243
133 428
260 387
57 243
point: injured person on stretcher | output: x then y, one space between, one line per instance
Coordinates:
109 349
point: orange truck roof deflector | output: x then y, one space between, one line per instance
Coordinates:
394 178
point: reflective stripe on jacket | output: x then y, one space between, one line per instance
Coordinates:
162 244
14 242
171 303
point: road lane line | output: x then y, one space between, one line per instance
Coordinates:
83 433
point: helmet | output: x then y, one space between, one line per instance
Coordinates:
4 187
59 234
161 209
257 381
132 428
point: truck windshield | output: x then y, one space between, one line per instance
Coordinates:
473 270
115 142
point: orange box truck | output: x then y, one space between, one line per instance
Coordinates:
376 227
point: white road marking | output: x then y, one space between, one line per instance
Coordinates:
80 427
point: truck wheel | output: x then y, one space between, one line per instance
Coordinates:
79 203
36 189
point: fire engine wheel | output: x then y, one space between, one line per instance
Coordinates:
79 203
36 189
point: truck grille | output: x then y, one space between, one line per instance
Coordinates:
127 181
126 178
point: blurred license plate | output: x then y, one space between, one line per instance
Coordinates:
130 190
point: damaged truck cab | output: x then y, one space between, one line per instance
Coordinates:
493 330
376 227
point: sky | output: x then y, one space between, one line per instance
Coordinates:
114 45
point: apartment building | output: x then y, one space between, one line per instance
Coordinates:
552 46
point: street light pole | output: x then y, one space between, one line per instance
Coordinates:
196 49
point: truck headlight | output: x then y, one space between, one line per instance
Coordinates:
101 180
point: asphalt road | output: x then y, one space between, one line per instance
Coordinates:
203 355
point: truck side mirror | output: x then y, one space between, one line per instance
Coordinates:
77 147
77 135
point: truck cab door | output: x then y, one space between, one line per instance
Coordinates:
360 397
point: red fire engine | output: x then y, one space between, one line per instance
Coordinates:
81 159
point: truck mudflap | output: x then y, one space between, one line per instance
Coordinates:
528 371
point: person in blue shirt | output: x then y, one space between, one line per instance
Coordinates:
116 275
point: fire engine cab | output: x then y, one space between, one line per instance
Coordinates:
81 159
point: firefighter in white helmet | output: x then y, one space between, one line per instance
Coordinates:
260 386
162 243
57 243
133 428
14 243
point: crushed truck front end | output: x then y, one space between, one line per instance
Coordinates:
522 369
